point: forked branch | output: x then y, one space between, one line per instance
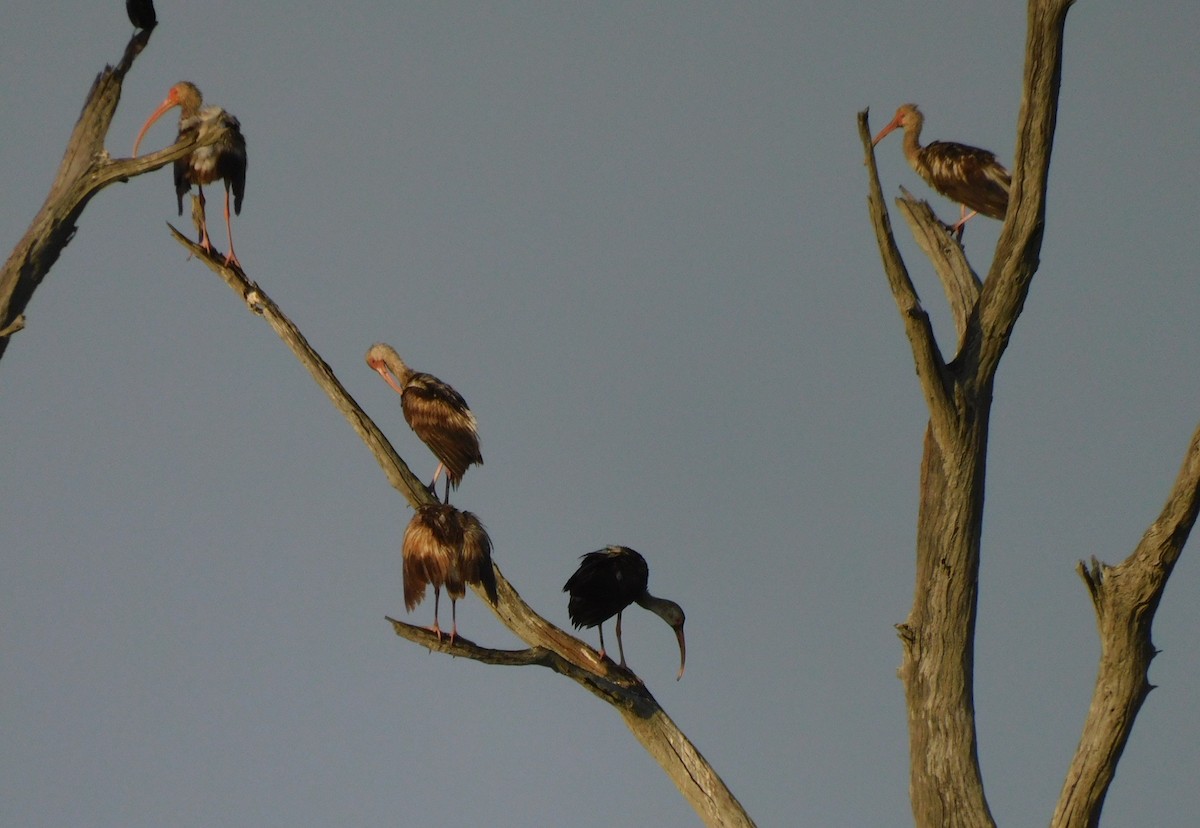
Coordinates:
85 170
1126 598
548 645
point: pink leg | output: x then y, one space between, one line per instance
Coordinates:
963 218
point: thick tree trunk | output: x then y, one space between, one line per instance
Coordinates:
946 786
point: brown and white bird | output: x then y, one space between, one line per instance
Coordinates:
607 582
968 175
225 160
446 548
435 411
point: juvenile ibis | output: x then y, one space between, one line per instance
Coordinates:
224 160
435 411
968 175
607 582
446 548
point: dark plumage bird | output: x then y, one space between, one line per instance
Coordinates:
225 160
446 548
968 175
141 13
435 411
608 581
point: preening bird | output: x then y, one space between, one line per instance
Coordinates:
446 548
968 175
224 160
607 582
435 412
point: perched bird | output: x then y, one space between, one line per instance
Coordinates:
607 582
435 411
141 13
446 548
225 160
968 175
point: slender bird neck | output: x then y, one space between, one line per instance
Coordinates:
912 142
668 611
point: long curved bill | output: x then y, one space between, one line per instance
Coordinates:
389 379
158 113
682 651
883 132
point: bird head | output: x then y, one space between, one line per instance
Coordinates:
907 117
183 94
383 359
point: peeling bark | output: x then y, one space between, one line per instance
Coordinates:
946 786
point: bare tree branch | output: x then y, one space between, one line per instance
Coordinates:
1126 598
549 646
959 281
946 785
85 170
1020 243
931 367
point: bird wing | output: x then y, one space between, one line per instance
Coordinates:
477 556
231 164
969 176
182 183
440 417
605 583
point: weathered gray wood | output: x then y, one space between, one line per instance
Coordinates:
1125 598
85 170
549 645
946 787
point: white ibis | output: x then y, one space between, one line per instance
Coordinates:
435 411
445 547
968 175
225 160
607 582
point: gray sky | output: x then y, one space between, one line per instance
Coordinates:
634 236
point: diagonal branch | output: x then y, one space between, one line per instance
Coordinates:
931 368
549 645
959 281
1020 243
1126 598
85 170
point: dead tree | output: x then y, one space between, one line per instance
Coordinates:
85 170
946 787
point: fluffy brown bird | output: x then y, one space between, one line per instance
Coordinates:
968 175
224 160
435 412
609 580
444 547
